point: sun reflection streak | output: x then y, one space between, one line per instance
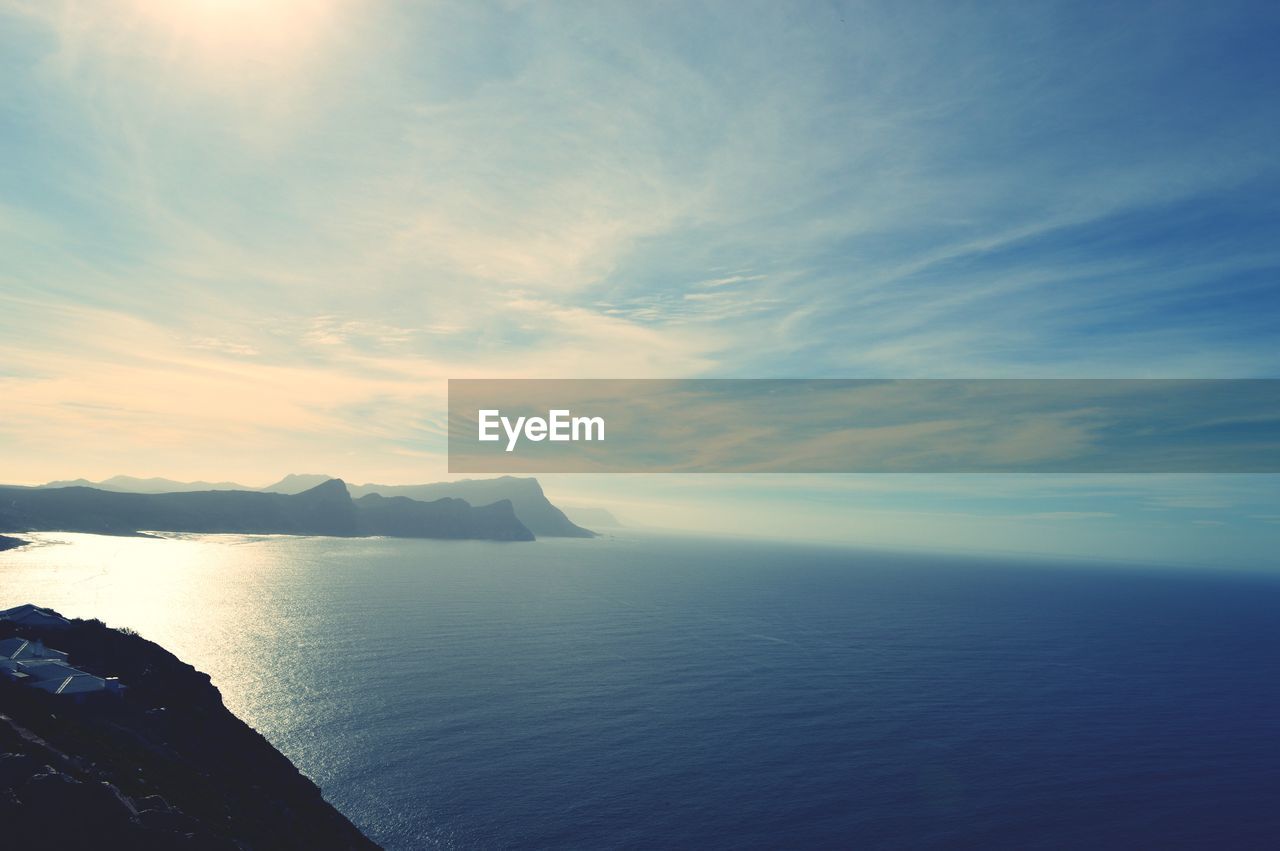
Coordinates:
177 590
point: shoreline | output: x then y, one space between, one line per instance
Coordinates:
7 543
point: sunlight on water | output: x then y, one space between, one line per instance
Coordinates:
195 599
637 692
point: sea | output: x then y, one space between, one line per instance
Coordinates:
640 691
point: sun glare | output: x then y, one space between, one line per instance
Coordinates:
231 33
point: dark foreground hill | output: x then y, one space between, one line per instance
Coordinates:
326 509
164 766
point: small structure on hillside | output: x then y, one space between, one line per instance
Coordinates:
24 650
29 662
31 615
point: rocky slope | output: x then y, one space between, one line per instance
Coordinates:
165 766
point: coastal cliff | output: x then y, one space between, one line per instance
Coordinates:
326 509
163 765
530 504
532 508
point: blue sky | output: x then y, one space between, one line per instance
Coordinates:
246 238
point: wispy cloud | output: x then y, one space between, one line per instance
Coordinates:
311 216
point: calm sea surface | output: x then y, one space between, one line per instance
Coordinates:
637 692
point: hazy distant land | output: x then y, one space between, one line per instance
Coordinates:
593 516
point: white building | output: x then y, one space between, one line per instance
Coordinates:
30 662
29 615
23 650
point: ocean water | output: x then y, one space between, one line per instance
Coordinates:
640 692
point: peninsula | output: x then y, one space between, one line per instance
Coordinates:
531 505
326 509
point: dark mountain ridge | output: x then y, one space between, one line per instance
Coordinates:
532 508
326 509
525 494
401 517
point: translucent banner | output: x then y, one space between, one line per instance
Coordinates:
864 426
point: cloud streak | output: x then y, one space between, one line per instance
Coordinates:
321 213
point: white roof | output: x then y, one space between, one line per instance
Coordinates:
21 649
77 682
11 647
47 669
31 614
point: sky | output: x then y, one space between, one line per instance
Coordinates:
242 238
